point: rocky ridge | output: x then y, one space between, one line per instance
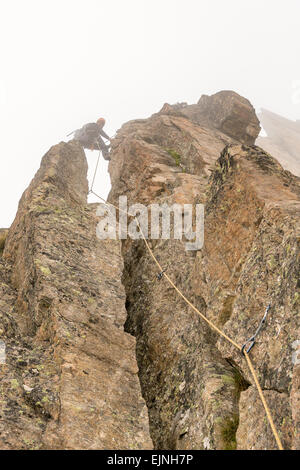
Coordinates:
72 377
197 389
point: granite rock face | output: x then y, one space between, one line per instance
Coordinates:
228 112
3 235
69 379
198 390
96 352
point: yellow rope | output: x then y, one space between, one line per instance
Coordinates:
183 296
263 401
212 325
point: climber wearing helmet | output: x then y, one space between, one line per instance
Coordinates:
90 137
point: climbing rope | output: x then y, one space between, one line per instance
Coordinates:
162 273
96 169
97 164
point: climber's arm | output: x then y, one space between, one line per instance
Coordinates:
103 134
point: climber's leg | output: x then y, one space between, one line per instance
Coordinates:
104 148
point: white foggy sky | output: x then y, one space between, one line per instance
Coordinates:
68 62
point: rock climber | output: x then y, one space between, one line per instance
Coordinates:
90 137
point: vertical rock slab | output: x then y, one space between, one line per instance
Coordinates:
197 387
192 393
251 259
78 377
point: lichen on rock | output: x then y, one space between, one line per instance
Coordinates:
250 258
96 352
70 375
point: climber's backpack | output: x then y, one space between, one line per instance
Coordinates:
88 134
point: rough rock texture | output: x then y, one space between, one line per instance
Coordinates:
251 258
3 235
229 112
70 376
282 141
198 390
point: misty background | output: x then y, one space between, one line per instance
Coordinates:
68 62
